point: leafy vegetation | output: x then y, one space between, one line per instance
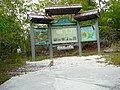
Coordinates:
12 37
4 78
116 59
8 65
109 23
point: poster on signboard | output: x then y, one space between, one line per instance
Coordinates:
64 35
88 33
40 36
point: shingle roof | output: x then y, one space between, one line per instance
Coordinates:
40 19
87 15
60 10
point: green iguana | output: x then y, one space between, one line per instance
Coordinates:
50 64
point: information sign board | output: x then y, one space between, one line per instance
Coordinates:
40 36
88 33
64 35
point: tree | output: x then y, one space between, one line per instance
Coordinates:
11 32
114 11
110 22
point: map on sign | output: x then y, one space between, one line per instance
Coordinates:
88 33
41 36
64 35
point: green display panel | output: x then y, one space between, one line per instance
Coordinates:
40 36
64 35
88 33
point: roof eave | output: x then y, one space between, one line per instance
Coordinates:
91 14
40 19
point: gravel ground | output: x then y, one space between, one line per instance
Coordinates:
67 73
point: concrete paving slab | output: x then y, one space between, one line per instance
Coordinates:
68 73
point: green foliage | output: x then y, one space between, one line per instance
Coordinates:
41 57
110 22
116 59
10 38
12 35
4 78
8 65
110 16
113 57
113 13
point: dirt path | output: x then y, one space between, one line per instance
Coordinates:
68 73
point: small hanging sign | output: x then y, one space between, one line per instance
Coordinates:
65 47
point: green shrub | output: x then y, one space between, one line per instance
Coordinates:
116 59
4 77
8 65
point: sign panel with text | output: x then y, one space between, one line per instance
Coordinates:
64 35
65 47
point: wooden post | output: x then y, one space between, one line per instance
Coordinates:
97 35
32 43
79 39
50 41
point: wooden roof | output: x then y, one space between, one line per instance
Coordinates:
60 10
87 15
40 19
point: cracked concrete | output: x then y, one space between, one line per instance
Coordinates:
68 73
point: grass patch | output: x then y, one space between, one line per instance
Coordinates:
41 57
116 59
7 65
112 57
4 77
38 58
88 54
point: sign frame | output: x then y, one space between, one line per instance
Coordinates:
41 39
88 33
62 35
